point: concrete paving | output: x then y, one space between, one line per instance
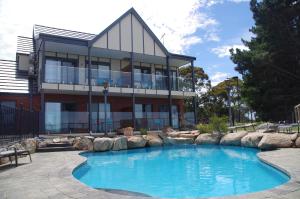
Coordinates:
50 176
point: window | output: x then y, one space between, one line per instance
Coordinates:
161 79
10 104
142 77
60 70
140 109
100 73
173 75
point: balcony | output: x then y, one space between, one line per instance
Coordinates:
76 78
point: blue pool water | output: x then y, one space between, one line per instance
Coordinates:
180 172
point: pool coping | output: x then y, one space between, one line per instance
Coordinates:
56 179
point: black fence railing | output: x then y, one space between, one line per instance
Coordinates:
18 122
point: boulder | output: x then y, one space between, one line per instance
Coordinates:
120 143
103 144
208 138
18 146
136 142
173 134
180 140
233 139
153 140
128 131
277 140
252 139
83 143
297 142
190 134
30 144
267 127
44 143
167 129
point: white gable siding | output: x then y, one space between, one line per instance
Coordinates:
148 43
137 30
126 34
113 38
158 51
101 42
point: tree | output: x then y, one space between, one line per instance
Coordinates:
201 82
271 67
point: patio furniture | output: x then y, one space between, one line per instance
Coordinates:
14 153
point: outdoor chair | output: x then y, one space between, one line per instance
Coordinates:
15 153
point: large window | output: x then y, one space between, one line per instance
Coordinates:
142 78
60 70
100 73
161 79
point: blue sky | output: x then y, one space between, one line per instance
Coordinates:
233 23
206 29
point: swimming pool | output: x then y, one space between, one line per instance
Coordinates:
180 171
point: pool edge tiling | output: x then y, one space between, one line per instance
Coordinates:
51 176
239 172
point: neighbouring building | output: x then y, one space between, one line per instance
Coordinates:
61 74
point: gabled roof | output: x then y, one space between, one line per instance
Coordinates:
138 17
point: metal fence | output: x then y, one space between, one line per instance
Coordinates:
18 122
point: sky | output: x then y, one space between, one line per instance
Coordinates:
206 29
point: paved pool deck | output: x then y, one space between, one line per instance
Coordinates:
50 176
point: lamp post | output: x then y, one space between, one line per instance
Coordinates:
105 93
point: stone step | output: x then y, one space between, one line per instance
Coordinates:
58 145
55 149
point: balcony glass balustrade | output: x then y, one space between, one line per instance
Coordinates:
78 75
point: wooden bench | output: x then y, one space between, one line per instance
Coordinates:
14 153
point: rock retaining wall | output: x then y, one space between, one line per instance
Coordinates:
264 141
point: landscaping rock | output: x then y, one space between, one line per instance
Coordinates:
180 140
233 139
297 142
83 143
136 142
252 139
128 131
277 140
153 140
120 143
208 138
167 130
173 134
190 134
103 144
30 144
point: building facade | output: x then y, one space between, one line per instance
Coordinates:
63 75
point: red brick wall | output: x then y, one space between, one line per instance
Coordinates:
118 103
22 100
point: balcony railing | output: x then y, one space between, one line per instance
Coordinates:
77 75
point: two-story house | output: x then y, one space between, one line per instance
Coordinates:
62 73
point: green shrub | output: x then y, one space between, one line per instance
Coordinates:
216 124
143 131
204 128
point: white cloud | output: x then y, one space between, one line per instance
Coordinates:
218 77
178 20
223 51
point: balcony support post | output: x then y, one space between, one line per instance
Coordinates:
169 92
42 79
132 86
90 89
194 98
